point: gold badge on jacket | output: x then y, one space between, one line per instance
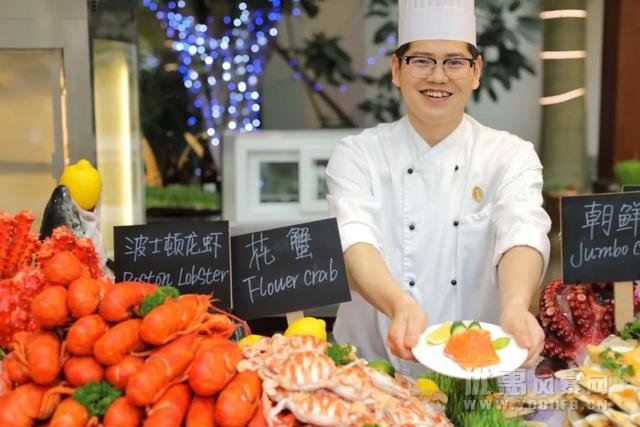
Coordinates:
477 194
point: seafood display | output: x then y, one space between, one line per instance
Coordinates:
606 386
175 364
84 351
78 349
299 377
573 316
602 391
63 211
28 266
94 360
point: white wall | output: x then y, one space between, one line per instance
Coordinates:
286 104
517 110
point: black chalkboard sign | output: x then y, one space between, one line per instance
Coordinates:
630 188
601 237
288 269
192 256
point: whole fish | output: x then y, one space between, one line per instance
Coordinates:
61 210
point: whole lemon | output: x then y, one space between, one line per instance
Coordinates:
84 183
249 340
308 326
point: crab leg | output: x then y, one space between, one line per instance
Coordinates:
6 221
21 227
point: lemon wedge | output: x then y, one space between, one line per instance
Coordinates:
426 387
440 335
500 343
249 340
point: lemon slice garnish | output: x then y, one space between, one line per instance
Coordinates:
440 335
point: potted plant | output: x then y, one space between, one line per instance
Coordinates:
628 172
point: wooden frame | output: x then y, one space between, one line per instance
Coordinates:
619 126
609 84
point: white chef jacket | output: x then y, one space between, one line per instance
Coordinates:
442 217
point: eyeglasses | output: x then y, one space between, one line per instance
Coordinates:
454 68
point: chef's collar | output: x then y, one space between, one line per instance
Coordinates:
419 145
422 149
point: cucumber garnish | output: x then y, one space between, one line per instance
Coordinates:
457 327
474 325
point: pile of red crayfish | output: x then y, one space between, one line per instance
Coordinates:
22 272
103 355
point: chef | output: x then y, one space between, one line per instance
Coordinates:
440 217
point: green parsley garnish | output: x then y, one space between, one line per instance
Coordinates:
613 361
97 397
631 330
157 298
340 353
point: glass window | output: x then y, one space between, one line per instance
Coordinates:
117 134
279 182
31 123
319 167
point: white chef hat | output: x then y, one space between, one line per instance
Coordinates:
436 20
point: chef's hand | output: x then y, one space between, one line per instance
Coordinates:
409 320
519 322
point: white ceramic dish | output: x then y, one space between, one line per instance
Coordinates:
433 357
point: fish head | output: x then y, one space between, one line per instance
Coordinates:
61 210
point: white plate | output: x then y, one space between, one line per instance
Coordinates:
433 357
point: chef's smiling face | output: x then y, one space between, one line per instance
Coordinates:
436 98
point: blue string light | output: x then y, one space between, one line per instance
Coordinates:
382 53
236 59
205 61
